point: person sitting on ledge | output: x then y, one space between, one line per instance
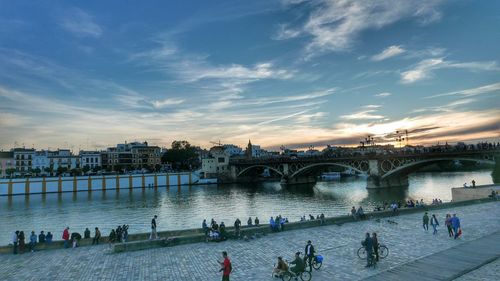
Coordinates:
249 222
41 237
48 238
256 221
86 233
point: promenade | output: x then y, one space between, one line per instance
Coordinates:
253 260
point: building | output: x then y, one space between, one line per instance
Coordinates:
23 160
90 159
132 156
233 150
41 161
216 163
7 163
63 159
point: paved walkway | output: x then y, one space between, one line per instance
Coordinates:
485 273
253 260
448 264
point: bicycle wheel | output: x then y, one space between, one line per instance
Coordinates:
286 276
383 251
317 265
362 253
305 276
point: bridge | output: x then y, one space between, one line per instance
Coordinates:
381 170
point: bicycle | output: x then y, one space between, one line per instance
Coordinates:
317 262
383 252
304 275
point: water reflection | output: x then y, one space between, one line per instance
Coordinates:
185 207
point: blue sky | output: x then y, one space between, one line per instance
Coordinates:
89 74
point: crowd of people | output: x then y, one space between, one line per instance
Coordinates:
452 224
299 264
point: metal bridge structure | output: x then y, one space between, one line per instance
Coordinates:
381 170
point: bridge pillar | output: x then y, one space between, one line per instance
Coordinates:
374 167
496 170
285 169
378 182
233 174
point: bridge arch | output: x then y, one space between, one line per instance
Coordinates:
408 168
256 166
301 170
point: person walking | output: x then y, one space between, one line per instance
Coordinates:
15 241
447 222
434 224
368 244
309 254
153 228
65 237
455 223
226 267
22 245
97 236
425 222
32 241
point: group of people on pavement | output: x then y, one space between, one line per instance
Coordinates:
452 224
371 247
358 214
299 264
19 241
214 232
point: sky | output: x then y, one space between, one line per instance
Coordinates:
90 74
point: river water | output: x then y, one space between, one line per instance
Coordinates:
187 206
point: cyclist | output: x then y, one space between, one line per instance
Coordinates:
282 267
309 254
299 264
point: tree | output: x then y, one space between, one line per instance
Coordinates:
96 169
85 169
182 155
10 171
36 171
61 170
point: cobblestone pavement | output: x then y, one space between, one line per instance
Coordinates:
253 260
487 272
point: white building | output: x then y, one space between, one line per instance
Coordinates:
91 159
233 150
23 158
41 160
216 163
65 159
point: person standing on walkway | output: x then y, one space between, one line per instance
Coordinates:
32 241
473 184
226 267
237 225
65 237
15 241
153 228
375 245
22 245
425 222
447 222
309 254
368 244
455 223
434 223
97 236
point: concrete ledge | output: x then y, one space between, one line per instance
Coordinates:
471 193
178 237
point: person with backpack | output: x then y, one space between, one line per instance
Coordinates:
226 267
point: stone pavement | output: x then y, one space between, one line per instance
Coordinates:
448 264
487 272
253 260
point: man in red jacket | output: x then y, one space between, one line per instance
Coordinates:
65 237
226 267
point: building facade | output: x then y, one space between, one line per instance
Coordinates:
23 158
132 156
216 163
63 159
90 159
6 163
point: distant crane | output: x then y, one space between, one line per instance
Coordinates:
216 143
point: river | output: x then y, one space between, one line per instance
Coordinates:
187 206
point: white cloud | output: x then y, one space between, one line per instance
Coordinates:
383 95
284 32
471 92
81 24
389 52
334 25
425 68
166 102
363 115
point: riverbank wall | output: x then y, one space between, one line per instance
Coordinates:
140 241
43 185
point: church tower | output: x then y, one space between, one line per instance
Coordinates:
249 151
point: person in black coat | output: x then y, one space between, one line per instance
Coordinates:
368 244
309 254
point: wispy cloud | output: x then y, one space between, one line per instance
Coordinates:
363 115
334 25
284 32
389 52
383 95
425 68
80 23
471 92
445 108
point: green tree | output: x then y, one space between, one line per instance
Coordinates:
61 170
182 155
36 171
96 169
10 171
85 169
